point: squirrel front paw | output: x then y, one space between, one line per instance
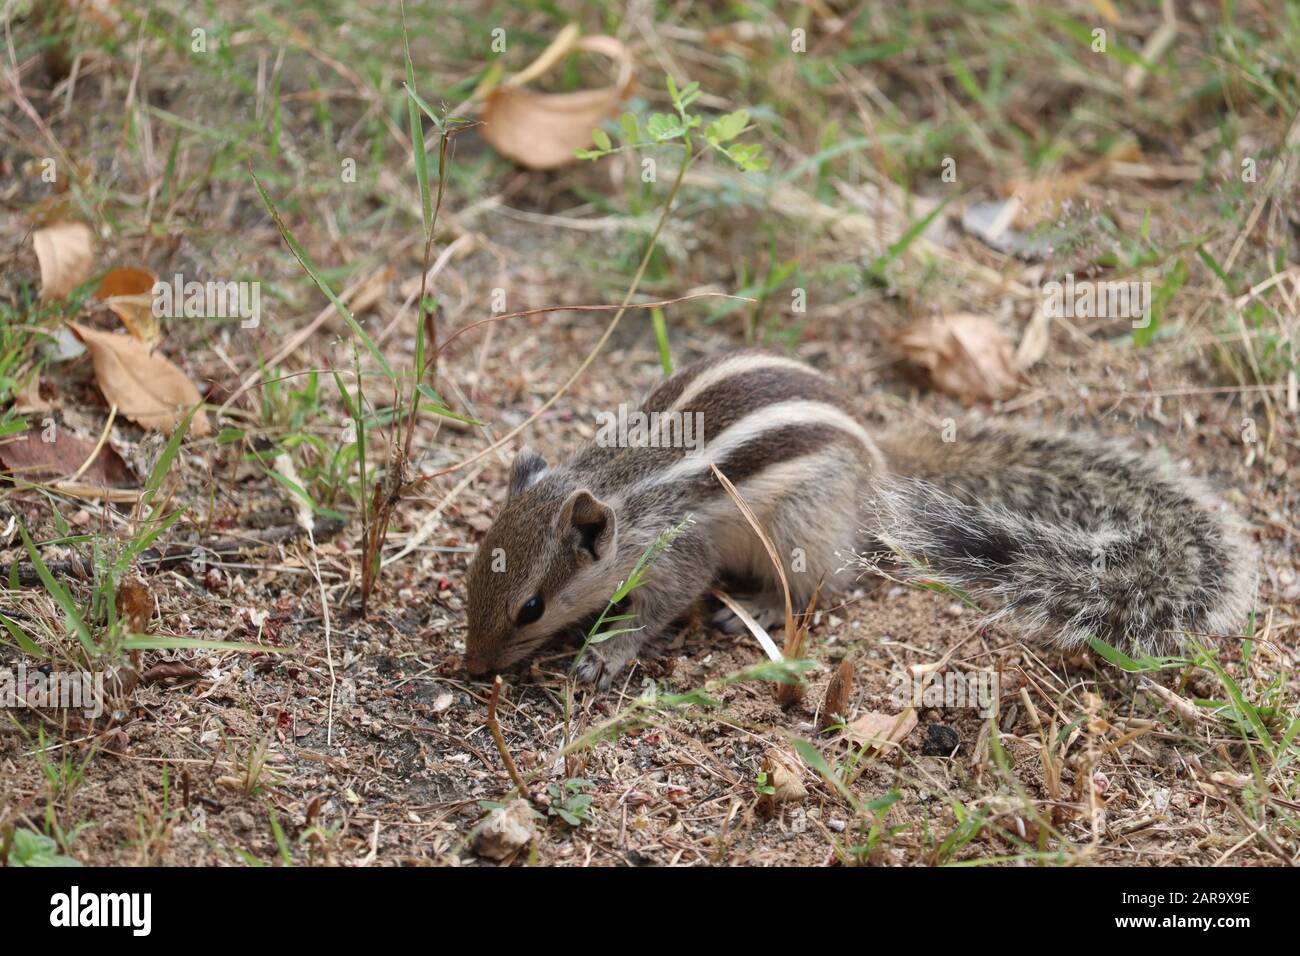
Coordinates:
767 615
602 662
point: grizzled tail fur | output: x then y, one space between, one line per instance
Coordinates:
1071 536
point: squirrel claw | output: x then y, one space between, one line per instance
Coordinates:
603 662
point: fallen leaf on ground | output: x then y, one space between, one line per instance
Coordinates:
1229 779
146 387
129 293
1179 705
881 731
784 773
836 702
31 458
991 222
30 400
134 604
543 130
65 251
967 356
169 671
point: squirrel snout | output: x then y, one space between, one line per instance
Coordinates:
478 665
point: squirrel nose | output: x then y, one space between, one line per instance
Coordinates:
477 665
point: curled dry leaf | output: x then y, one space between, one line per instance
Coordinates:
543 130
146 387
129 293
65 251
134 604
992 222
1228 778
1180 705
30 457
967 356
881 731
171 670
836 703
784 776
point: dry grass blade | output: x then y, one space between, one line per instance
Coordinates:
768 546
786 694
760 633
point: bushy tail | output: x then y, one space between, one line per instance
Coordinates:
1071 536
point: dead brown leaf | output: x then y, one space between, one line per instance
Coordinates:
169 670
134 604
784 775
30 457
65 251
543 130
967 356
145 386
30 400
836 703
881 731
129 293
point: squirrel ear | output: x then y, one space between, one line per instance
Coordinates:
591 519
527 469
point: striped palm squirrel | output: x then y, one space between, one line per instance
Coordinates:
1069 535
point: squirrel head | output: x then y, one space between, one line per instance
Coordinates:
545 565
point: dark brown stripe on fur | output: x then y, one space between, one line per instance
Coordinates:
772 448
740 395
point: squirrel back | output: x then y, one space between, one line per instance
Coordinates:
1074 536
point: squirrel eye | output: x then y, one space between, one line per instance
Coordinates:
531 611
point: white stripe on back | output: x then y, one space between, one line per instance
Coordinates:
761 420
735 365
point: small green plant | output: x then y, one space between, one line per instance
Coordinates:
28 848
675 130
663 128
571 801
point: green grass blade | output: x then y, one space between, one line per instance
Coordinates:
311 270
62 597
25 643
